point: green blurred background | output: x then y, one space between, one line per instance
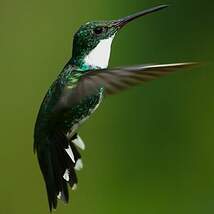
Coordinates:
150 149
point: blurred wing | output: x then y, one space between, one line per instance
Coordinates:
115 80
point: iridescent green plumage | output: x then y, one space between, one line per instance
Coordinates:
65 117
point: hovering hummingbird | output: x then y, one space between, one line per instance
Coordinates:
76 94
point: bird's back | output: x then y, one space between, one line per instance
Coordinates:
52 116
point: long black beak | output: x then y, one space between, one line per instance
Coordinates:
121 22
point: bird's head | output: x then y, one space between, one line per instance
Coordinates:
92 42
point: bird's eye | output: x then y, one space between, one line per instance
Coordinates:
98 30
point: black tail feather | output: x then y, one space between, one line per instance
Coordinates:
55 162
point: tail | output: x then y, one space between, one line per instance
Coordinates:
58 159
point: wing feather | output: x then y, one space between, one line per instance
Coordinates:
115 80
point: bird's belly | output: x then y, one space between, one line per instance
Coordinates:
81 112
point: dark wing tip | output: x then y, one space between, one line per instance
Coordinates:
171 65
163 6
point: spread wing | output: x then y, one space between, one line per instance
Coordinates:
115 80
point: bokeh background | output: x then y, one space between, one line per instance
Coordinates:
150 149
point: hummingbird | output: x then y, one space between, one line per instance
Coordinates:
75 95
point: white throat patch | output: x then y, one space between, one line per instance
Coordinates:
100 55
